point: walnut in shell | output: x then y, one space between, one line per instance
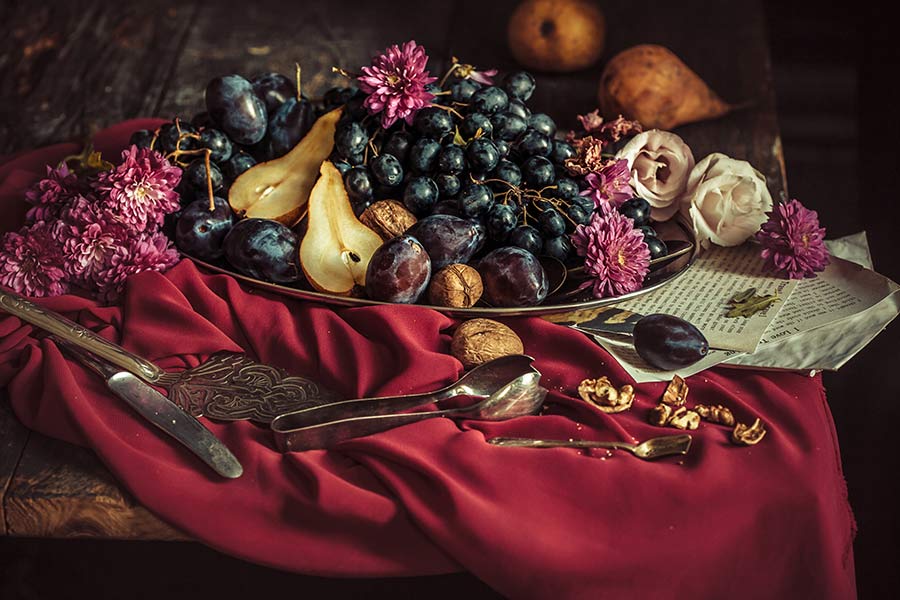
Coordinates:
478 341
387 218
456 285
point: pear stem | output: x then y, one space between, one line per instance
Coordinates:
299 94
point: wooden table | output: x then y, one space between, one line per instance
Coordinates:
69 70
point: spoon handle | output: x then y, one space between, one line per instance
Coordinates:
533 443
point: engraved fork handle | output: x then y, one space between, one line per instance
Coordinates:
84 338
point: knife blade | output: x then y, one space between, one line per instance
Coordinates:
161 412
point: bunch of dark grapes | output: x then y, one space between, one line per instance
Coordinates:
478 153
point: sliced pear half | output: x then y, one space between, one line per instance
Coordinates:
336 249
279 189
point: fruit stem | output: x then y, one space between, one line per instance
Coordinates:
449 109
299 94
209 189
454 64
341 71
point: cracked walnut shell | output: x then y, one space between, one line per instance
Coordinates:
456 285
478 341
387 218
748 435
602 394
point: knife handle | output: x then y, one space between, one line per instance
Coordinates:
80 336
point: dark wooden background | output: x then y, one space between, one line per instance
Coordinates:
67 69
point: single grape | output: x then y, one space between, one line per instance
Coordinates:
561 151
519 85
451 160
647 231
508 126
218 143
350 139
489 100
656 246
386 169
337 96
462 90
263 249
169 135
518 108
551 222
423 155
538 172
200 232
473 122
566 188
357 160
238 163
578 215
528 238
543 123
273 89
507 171
513 277
420 195
482 155
290 123
534 143
433 122
234 106
398 144
475 199
448 185
558 247
637 209
358 184
585 202
195 174
503 147
500 221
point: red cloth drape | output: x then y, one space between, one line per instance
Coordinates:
768 521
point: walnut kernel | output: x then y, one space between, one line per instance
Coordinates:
748 436
715 414
683 418
387 218
478 341
602 394
455 285
659 414
676 392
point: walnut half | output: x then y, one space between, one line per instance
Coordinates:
716 414
748 436
602 394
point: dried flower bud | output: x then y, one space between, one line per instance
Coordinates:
478 341
659 414
715 414
387 218
676 392
748 436
456 285
602 394
683 418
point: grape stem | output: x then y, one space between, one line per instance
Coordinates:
299 94
449 109
454 64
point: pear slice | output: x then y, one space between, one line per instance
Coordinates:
336 249
279 189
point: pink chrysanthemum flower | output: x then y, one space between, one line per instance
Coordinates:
141 190
611 186
616 257
793 243
51 193
30 261
148 252
87 249
396 83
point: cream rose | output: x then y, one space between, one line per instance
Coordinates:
727 200
660 163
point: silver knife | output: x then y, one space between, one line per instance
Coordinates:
163 413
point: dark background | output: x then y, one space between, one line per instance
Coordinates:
835 70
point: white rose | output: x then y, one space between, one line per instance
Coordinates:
660 163
727 200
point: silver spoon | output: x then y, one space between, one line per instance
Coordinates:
648 449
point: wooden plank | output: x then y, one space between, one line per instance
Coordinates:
13 437
63 491
69 68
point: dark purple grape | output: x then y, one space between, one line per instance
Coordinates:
423 155
386 169
433 122
420 195
578 215
195 175
170 134
657 247
517 107
475 199
399 271
636 209
236 109
447 239
290 123
200 232
462 90
534 143
512 277
503 147
566 188
398 144
263 249
561 151
647 231
500 221
142 138
473 122
586 203
489 100
558 247
543 123
482 155
446 207
451 160
448 185
238 163
273 89
337 96
551 223
358 184
507 171
528 238
342 166
519 85
357 160
538 172
350 139
217 143
508 126
669 342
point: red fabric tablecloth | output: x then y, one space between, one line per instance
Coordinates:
768 521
